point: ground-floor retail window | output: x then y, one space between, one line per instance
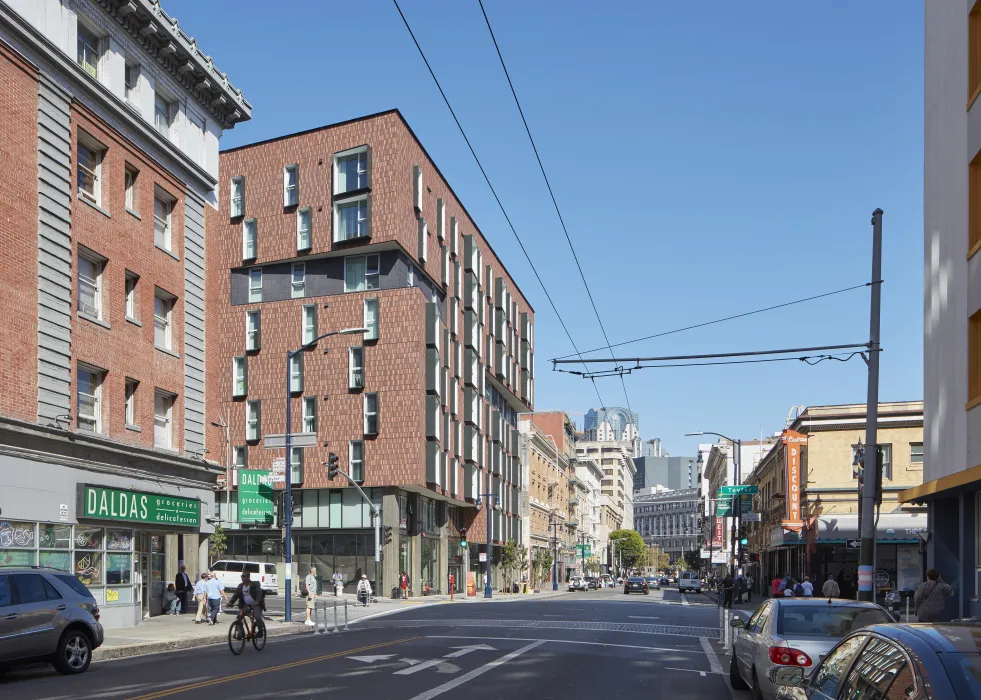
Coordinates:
430 582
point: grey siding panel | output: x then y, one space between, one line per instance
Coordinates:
193 323
54 252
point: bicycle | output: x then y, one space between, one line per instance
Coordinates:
240 631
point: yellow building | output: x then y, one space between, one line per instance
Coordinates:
825 539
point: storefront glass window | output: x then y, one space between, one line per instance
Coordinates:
56 560
88 538
119 540
16 557
88 568
430 564
16 535
55 537
119 569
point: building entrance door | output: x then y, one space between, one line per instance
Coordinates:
144 585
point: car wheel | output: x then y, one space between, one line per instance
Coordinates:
757 693
74 653
735 680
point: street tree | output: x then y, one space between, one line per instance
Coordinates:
217 543
629 547
693 559
542 564
514 561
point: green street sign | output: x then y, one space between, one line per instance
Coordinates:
745 503
255 496
723 508
101 503
738 489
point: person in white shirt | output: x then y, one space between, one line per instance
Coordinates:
311 584
808 587
201 599
215 591
364 590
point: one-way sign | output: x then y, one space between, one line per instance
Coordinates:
853 544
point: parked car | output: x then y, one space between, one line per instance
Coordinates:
665 580
653 583
689 581
48 615
796 632
606 581
925 661
636 584
577 583
229 573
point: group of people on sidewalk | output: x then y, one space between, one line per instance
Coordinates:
310 589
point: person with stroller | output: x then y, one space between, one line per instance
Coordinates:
364 590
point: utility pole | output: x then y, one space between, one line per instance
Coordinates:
866 557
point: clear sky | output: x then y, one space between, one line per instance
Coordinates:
709 158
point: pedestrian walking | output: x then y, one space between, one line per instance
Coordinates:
789 589
404 585
183 586
215 592
338 583
831 589
928 601
201 599
364 591
775 584
808 587
171 603
738 588
311 585
726 594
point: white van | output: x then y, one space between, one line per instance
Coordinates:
689 581
229 572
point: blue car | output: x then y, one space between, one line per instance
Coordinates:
923 661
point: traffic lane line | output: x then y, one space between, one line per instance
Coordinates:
467 677
269 669
550 640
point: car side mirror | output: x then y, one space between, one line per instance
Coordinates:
737 622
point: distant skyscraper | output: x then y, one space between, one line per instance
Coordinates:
653 448
614 424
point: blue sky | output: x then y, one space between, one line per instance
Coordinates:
709 158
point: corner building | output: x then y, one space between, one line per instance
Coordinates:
109 142
353 226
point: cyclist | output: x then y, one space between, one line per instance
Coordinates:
249 597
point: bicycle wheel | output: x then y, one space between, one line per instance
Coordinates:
236 636
259 635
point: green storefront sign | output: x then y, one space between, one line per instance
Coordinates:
255 496
101 503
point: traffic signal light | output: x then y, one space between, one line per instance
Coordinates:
463 538
743 535
332 467
386 534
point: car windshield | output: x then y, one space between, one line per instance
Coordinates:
831 621
964 671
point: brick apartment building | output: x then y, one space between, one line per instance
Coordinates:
109 141
352 225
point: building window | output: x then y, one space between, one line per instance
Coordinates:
355 364
371 318
252 331
240 456
90 283
296 465
89 170
163 114
238 197
132 198
886 461
255 284
249 239
916 453
252 420
974 360
303 219
296 373
352 219
89 50
131 386
163 206
356 460
291 185
132 308
299 284
309 323
163 306
371 414
89 398
361 273
417 187
309 414
240 381
163 408
131 79
410 277
351 170
973 53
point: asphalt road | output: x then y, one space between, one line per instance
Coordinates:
581 645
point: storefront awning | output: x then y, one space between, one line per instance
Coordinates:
924 492
898 528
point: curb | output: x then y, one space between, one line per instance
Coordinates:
128 650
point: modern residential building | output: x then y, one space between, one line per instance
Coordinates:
952 300
353 226
615 461
674 472
613 424
811 536
595 514
717 471
670 520
109 140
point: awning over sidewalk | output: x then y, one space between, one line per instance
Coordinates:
896 528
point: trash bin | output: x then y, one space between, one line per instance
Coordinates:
395 592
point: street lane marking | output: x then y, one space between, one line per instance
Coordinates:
566 641
643 617
684 601
371 659
463 651
714 665
270 669
690 670
467 677
460 651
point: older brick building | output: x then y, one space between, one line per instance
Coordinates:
109 145
346 226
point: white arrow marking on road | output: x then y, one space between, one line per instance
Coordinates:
461 651
371 659
643 617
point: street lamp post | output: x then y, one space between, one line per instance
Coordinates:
288 506
488 591
556 528
736 500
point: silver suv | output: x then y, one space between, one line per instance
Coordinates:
47 615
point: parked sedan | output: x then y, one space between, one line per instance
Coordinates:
795 632
653 583
922 661
636 584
